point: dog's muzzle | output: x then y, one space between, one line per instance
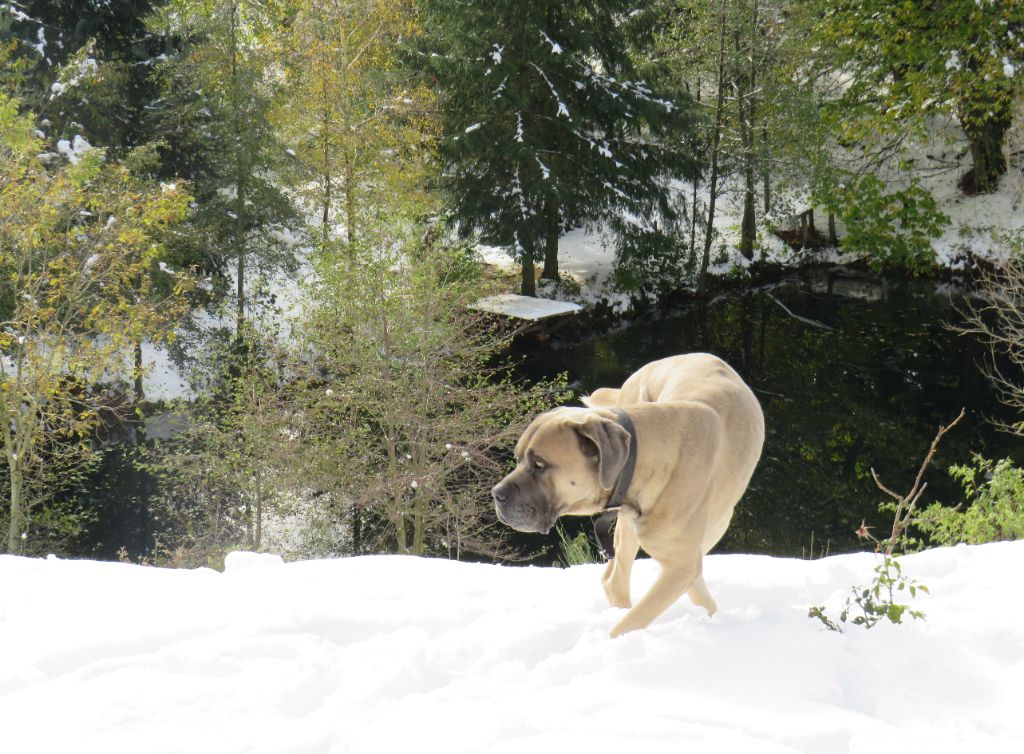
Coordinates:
516 510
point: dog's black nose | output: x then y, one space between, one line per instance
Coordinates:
500 494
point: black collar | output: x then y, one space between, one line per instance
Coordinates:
603 524
618 495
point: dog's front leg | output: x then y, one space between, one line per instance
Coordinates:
616 575
700 596
675 579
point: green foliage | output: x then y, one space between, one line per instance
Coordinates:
994 493
893 228
80 242
578 550
381 425
651 263
876 602
214 118
907 61
411 408
226 470
358 123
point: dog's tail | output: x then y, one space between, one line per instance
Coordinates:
603 397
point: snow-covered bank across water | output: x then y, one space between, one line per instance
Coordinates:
392 653
978 226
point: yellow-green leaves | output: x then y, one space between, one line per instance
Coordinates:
80 242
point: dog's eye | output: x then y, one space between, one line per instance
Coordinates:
538 466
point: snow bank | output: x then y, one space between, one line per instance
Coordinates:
978 225
395 653
585 255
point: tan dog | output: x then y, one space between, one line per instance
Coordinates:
698 434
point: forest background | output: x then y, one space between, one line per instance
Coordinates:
169 167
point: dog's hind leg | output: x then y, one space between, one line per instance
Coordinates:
603 396
675 579
700 596
616 575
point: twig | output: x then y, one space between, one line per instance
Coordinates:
805 320
905 503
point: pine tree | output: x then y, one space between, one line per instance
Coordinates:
544 122
218 91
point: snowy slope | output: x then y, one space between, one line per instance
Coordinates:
399 654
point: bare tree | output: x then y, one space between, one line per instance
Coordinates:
995 315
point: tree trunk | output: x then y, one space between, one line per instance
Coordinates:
350 201
140 394
833 239
357 529
419 523
693 230
692 260
985 122
248 523
986 143
258 536
766 177
552 228
807 229
325 217
240 287
529 281
748 114
239 229
715 142
17 519
746 246
401 540
401 531
748 227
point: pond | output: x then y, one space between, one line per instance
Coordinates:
864 385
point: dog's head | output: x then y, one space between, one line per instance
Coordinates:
567 463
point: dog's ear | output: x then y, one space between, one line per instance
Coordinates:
606 442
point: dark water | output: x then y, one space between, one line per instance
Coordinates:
870 391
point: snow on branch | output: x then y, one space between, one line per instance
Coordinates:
562 109
556 49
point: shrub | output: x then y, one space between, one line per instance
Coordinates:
894 228
994 492
877 601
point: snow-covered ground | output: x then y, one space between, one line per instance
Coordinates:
390 653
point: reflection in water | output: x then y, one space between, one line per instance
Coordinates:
866 383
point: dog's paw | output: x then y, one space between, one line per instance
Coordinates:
616 591
619 630
626 625
619 600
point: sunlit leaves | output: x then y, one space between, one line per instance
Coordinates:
900 62
78 246
357 121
